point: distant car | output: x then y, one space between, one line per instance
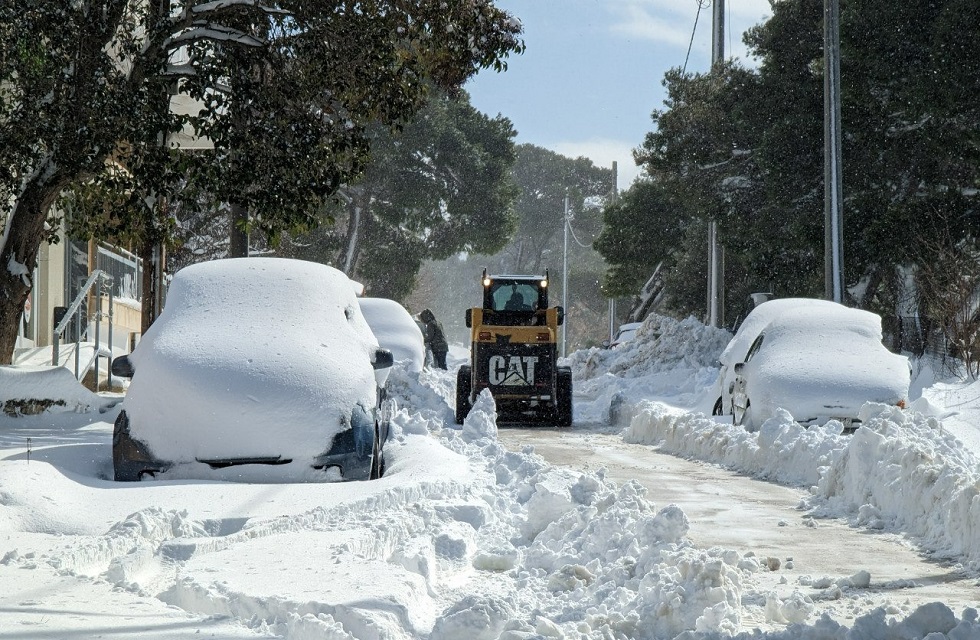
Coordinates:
820 363
624 334
256 367
746 334
396 330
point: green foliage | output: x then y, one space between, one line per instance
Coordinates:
745 147
439 186
286 90
543 180
641 230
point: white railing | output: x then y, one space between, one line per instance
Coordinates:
74 313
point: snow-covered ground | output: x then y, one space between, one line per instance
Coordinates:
464 538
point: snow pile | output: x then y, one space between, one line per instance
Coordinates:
32 390
661 344
899 469
584 556
667 359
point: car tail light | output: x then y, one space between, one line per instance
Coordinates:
544 337
900 404
484 335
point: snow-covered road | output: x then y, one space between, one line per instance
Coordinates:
734 511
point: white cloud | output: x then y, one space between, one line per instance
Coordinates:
603 152
672 23
639 19
749 11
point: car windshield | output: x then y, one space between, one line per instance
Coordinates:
514 296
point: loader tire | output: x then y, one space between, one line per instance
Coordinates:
463 404
563 398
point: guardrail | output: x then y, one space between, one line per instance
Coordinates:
74 313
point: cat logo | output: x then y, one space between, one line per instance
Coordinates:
515 371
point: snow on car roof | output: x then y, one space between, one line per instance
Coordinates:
396 330
757 319
249 345
817 322
812 356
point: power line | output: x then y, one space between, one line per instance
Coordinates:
701 5
575 238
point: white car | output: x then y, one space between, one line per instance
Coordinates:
819 363
396 330
258 368
625 333
747 332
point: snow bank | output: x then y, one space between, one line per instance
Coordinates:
661 345
898 470
32 390
667 359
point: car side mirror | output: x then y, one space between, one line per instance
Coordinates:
383 359
605 344
561 315
122 367
739 367
469 318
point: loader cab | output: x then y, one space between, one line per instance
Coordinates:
516 300
516 295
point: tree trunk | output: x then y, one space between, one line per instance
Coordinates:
18 255
238 231
350 249
148 310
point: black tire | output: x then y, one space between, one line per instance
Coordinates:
120 433
563 398
377 459
719 408
463 404
124 470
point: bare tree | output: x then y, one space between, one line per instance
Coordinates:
949 293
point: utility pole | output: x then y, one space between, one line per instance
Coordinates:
564 277
833 198
612 300
716 256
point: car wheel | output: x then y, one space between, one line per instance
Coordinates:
463 405
131 461
377 461
122 468
563 398
719 408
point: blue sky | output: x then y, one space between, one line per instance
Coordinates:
592 71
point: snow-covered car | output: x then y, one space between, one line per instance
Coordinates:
624 334
746 334
396 330
258 368
819 363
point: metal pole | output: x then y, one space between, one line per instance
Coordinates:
564 279
98 330
715 276
717 31
612 300
108 373
833 198
78 341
